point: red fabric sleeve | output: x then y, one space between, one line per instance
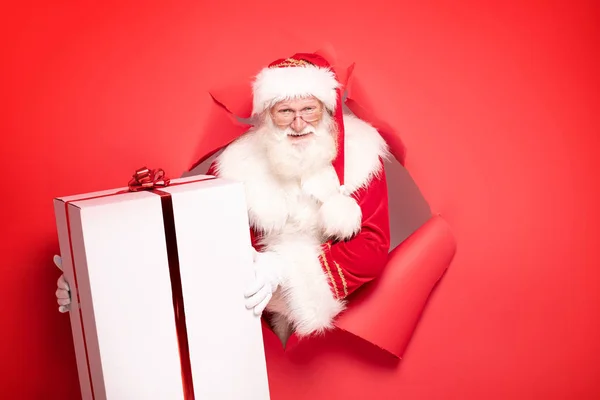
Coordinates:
359 260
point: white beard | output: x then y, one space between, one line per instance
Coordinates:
290 161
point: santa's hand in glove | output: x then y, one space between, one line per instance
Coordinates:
268 277
63 292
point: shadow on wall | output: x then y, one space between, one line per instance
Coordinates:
408 208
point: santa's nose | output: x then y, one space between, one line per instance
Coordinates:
298 124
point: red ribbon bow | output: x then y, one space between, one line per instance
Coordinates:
145 179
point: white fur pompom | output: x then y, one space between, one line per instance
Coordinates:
340 217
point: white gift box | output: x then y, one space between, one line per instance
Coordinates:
125 297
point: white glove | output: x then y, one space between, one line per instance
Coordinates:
63 292
268 270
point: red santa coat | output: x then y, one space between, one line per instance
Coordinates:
322 274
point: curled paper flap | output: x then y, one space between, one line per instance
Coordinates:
221 129
386 311
235 98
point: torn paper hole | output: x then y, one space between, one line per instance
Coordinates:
386 311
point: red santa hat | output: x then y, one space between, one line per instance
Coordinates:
302 75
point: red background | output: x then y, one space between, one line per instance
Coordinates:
498 107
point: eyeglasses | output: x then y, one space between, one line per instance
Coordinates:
286 116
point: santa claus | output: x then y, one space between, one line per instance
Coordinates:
316 195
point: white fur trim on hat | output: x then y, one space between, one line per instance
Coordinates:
276 84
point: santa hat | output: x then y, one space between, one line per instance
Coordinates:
302 75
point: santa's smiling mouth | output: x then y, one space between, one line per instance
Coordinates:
299 135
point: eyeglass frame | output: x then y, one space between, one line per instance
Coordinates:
298 113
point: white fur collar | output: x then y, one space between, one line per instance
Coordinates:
364 149
268 202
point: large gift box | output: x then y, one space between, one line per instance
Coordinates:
157 272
